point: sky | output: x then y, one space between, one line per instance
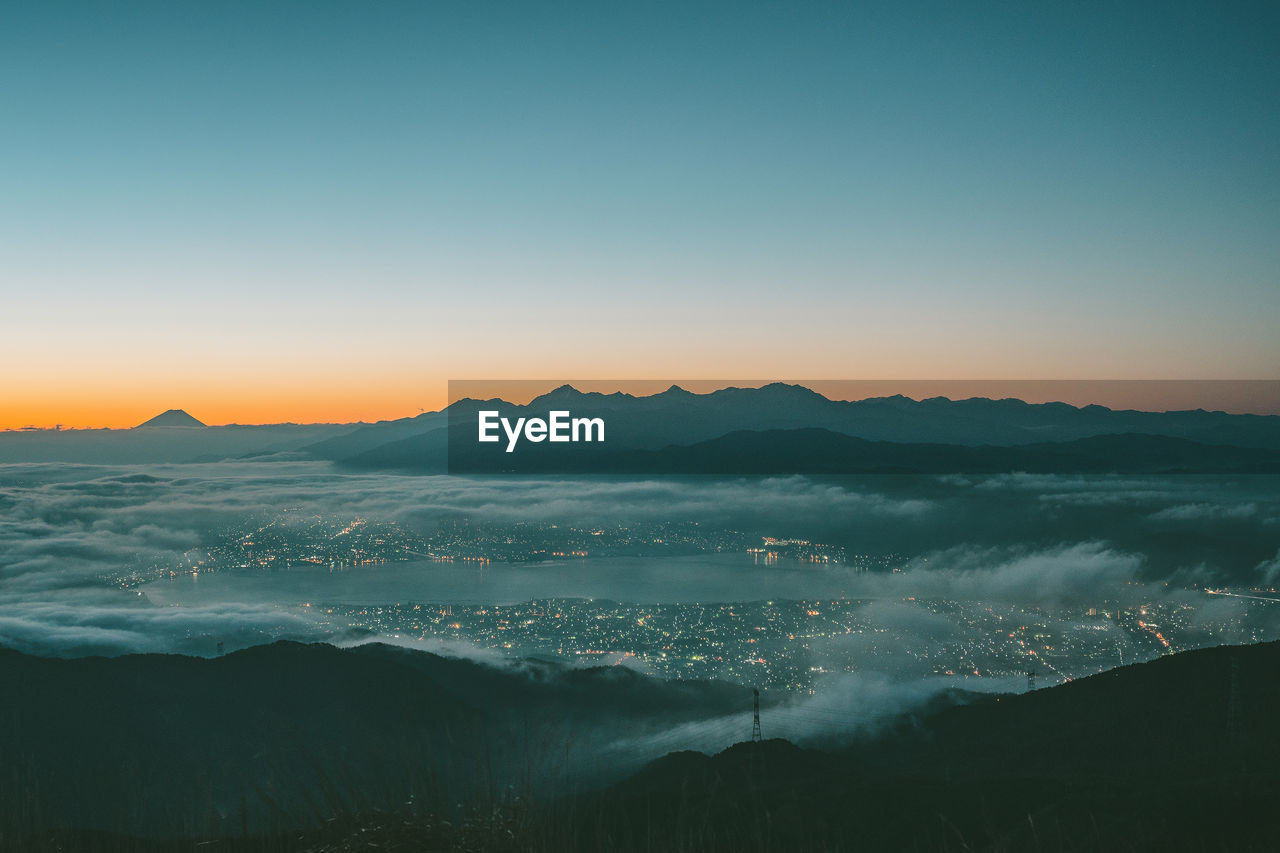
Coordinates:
324 211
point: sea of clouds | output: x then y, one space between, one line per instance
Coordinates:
1033 539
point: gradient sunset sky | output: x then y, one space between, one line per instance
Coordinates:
323 211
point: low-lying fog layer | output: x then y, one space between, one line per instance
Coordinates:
69 534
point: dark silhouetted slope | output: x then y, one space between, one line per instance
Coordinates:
1177 754
289 734
820 451
823 451
372 436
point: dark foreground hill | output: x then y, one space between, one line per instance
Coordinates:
284 736
1177 754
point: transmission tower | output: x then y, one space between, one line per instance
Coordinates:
1031 679
755 722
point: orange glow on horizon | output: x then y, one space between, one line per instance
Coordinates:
211 411
342 402
352 400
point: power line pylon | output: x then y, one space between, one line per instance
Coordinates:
755 722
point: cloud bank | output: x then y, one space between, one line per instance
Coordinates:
1036 539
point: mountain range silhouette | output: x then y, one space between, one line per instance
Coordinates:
779 428
653 434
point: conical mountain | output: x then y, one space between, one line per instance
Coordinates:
171 418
